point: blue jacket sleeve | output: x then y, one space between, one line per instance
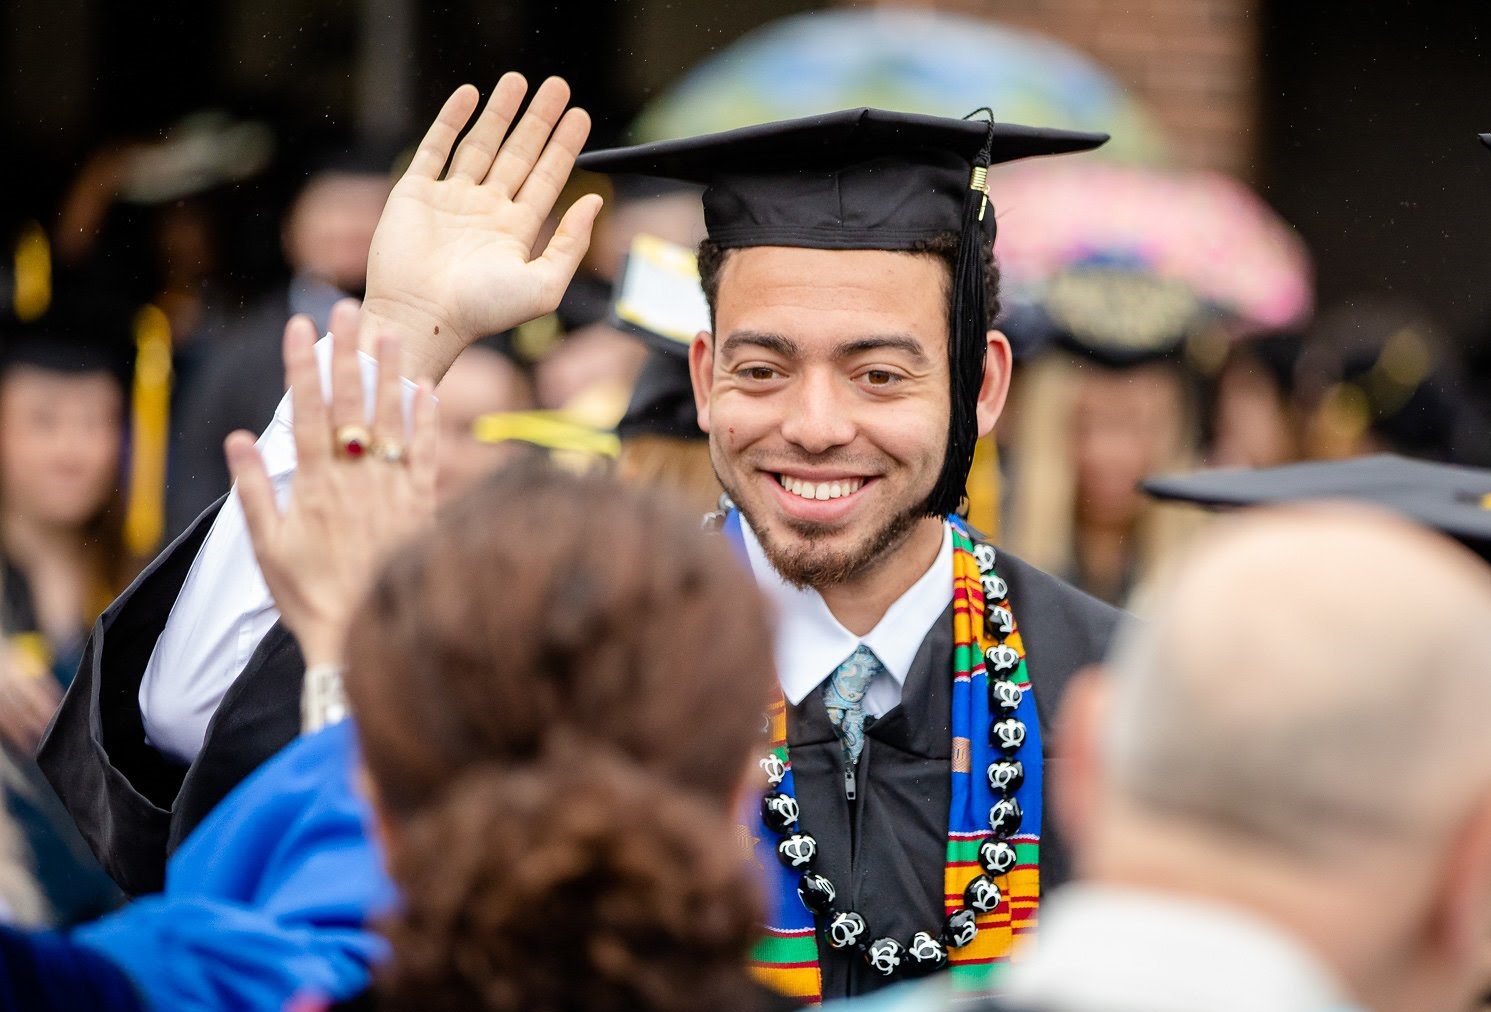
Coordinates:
45 972
271 896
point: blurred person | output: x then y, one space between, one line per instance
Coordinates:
1375 378
591 370
849 370
178 190
662 446
570 840
274 891
62 558
1107 404
658 301
1255 418
594 355
62 406
1235 811
325 238
21 900
481 381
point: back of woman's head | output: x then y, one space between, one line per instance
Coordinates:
558 692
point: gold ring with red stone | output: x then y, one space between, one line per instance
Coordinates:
352 441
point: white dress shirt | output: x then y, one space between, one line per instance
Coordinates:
224 609
810 642
1104 949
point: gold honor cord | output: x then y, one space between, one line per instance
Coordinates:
984 483
150 406
553 430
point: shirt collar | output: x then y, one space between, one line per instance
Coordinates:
1118 949
810 642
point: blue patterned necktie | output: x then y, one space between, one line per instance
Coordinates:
844 697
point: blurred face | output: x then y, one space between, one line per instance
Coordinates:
1126 425
59 444
479 382
330 228
1253 427
596 357
824 391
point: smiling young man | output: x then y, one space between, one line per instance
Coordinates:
851 368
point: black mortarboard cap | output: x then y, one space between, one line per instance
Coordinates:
863 179
1449 498
83 332
662 402
1486 140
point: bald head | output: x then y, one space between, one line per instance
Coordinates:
1311 677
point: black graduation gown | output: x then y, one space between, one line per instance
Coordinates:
133 804
885 851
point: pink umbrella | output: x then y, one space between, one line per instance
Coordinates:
1203 229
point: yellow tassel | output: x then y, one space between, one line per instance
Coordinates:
150 405
33 265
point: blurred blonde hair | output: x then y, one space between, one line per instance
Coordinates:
679 467
1042 499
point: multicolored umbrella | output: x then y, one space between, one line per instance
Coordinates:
908 60
1203 229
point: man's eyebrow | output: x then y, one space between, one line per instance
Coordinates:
886 342
782 346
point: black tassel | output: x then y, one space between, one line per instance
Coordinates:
967 344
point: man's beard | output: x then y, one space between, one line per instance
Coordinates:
818 568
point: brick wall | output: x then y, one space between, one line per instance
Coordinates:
1192 62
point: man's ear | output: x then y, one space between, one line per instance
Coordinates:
701 372
1460 917
996 385
1077 783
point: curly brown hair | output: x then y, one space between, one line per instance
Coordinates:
944 246
557 694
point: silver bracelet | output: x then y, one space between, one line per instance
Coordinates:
322 701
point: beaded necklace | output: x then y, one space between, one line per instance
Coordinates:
991 869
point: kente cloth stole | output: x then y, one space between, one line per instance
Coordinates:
786 959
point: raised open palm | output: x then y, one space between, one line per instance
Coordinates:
453 258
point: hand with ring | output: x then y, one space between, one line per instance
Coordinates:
361 487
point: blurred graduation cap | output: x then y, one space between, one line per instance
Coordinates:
863 179
1117 315
1453 499
1486 139
203 150
81 331
658 300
